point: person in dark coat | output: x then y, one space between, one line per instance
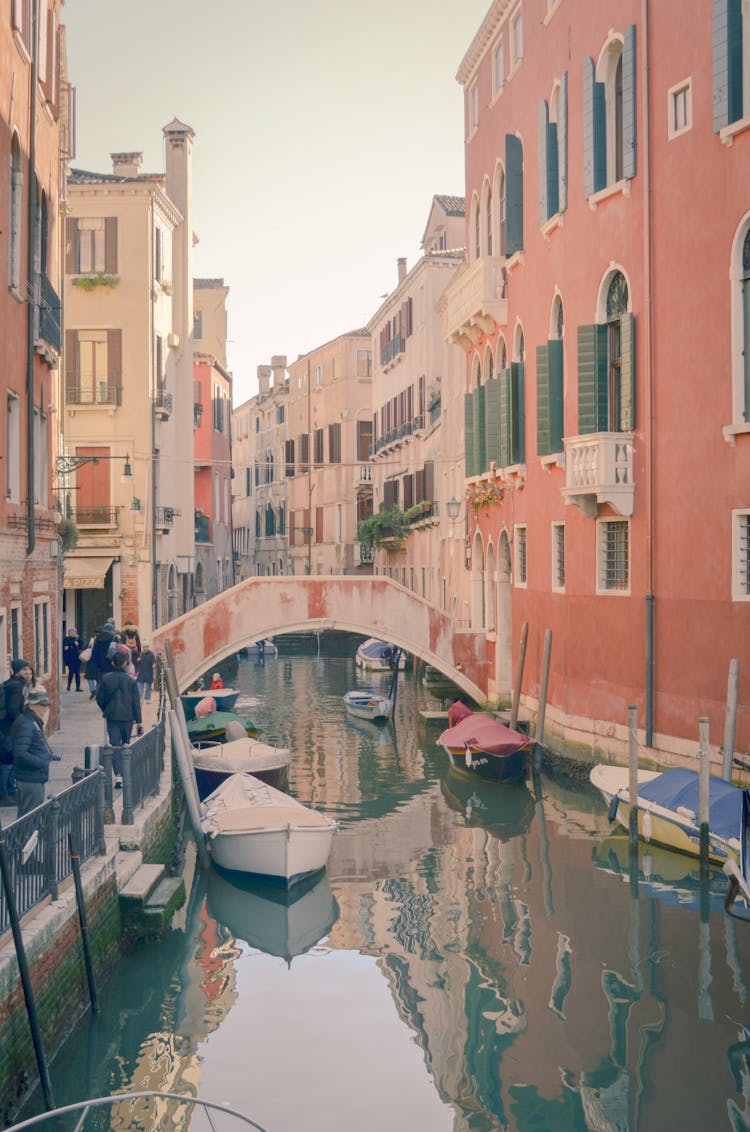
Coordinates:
32 755
15 693
131 637
117 696
99 663
144 672
71 658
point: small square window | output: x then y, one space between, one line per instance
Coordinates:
741 556
558 557
520 556
498 67
613 552
679 108
516 38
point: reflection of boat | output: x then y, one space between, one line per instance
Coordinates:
671 878
215 724
371 705
276 920
252 828
213 762
485 747
739 874
376 655
668 809
224 698
505 813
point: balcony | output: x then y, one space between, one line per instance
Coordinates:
423 514
391 351
363 475
164 517
599 469
163 404
95 517
90 391
477 302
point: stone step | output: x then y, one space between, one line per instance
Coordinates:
142 883
168 894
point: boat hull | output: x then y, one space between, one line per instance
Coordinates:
284 855
376 709
371 656
208 780
225 699
493 768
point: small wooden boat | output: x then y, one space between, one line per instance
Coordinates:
668 809
215 724
363 704
280 921
377 655
738 886
213 762
224 698
484 747
252 828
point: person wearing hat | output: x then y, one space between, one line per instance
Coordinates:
32 753
117 696
71 658
15 692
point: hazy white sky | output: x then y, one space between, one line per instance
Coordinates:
323 130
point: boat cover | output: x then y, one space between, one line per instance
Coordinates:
241 755
374 649
675 788
216 721
482 733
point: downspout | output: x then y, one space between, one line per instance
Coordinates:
151 465
32 285
647 303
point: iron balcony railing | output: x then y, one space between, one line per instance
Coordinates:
163 403
427 510
392 349
88 391
142 766
165 516
95 516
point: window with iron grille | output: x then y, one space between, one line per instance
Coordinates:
613 547
520 545
558 556
741 556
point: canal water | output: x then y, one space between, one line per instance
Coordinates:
477 957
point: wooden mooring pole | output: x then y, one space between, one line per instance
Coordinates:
539 733
730 719
703 786
519 675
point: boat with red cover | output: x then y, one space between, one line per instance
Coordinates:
483 746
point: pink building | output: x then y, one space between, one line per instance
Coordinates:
605 315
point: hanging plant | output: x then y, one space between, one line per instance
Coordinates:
68 533
482 496
94 279
385 526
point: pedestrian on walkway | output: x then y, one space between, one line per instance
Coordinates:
131 638
32 755
71 657
99 662
117 696
15 692
144 672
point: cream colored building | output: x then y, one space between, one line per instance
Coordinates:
129 389
327 455
417 400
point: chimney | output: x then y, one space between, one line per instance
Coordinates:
264 380
278 364
401 268
126 164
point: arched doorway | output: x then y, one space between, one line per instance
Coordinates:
478 620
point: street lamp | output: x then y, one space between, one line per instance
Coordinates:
453 509
64 465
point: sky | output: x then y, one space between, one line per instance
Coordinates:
323 130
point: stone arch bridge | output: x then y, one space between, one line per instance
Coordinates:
374 606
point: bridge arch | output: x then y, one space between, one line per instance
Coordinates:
373 606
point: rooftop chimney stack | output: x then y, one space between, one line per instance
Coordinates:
278 364
264 380
126 164
401 268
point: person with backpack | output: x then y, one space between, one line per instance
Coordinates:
120 703
13 695
99 662
131 638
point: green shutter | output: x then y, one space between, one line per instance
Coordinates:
514 194
504 380
556 395
735 60
542 401
588 126
627 373
562 141
727 62
517 414
492 417
544 212
592 379
469 455
480 431
629 153
553 171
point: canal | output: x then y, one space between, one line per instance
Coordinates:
476 957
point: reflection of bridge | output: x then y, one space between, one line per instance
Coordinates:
373 606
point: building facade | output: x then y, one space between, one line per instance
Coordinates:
35 132
607 464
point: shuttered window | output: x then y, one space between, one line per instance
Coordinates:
514 194
334 443
318 524
93 367
91 245
609 117
492 404
409 499
549 397
318 457
304 452
594 131
726 34
390 494
469 444
429 481
517 414
549 169
289 457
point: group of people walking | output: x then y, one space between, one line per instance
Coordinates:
94 661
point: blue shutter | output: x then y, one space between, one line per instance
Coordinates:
542 401
517 414
469 456
556 395
492 417
627 373
588 126
629 130
553 172
727 62
544 212
746 344
480 431
514 194
505 403
592 379
562 141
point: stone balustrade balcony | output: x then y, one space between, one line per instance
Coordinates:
477 301
599 469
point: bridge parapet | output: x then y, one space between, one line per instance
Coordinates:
372 606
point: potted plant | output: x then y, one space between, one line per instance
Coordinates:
387 526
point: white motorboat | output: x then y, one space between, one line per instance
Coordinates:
253 828
368 705
668 809
214 762
378 655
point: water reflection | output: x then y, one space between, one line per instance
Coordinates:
498 960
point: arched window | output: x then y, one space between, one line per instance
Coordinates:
617 306
487 207
477 584
740 277
606 362
16 213
609 114
489 587
498 210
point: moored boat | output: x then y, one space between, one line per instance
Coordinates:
368 705
738 873
484 747
224 698
252 828
214 762
377 655
668 809
215 724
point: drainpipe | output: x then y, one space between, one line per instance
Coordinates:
647 303
32 285
151 467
